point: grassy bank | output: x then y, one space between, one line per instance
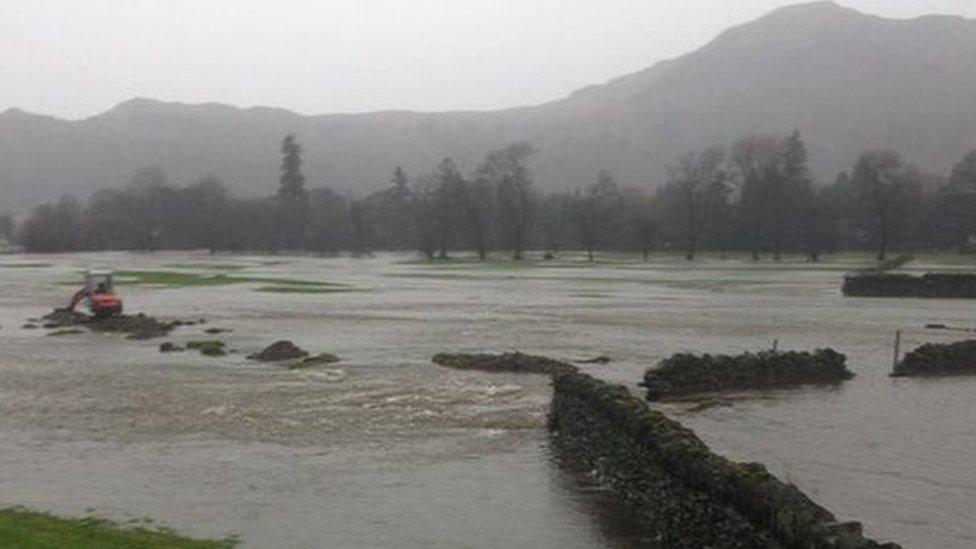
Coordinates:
23 529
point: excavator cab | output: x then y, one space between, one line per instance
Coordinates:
99 291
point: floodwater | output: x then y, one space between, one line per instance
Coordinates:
385 449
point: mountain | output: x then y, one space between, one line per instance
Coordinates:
849 81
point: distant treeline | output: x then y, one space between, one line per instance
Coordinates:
756 196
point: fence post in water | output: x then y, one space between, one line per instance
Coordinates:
894 365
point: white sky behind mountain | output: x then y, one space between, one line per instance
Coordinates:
75 58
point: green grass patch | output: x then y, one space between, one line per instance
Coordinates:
439 276
305 289
591 295
207 266
23 529
24 265
171 279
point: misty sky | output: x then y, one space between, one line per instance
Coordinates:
76 58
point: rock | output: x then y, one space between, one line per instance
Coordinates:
208 347
684 374
29 326
169 347
507 362
206 343
279 351
215 331
213 350
936 327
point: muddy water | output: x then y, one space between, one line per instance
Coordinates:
386 449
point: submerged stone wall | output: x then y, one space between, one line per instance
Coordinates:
931 285
689 495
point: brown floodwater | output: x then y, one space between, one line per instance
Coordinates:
385 449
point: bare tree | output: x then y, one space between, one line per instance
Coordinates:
756 161
884 186
699 183
478 207
152 189
424 206
596 208
207 205
449 202
507 170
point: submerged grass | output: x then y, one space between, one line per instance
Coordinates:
208 266
172 279
305 289
24 265
25 529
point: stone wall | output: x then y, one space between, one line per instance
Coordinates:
690 496
939 359
932 285
685 374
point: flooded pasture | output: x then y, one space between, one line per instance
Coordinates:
386 449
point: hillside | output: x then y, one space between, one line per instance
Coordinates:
849 81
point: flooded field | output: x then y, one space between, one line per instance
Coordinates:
385 449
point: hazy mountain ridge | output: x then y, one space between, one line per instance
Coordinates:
849 81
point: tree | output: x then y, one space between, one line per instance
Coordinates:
292 197
207 208
884 186
697 185
788 190
53 227
507 170
7 227
450 189
555 221
956 203
401 216
329 220
400 183
153 192
757 165
643 220
478 206
362 227
596 208
424 206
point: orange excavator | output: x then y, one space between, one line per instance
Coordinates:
99 292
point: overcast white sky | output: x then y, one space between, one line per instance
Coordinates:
75 58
